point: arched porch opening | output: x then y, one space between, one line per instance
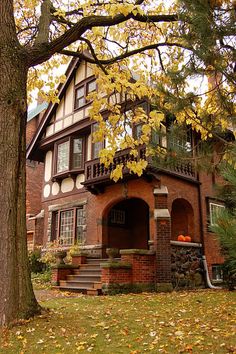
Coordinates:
182 219
126 225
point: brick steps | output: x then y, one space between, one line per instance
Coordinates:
86 279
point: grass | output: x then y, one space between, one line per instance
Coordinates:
183 322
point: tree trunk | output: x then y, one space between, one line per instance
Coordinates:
17 298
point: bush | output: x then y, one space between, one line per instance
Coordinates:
36 264
41 280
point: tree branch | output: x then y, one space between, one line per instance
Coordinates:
42 50
122 56
44 23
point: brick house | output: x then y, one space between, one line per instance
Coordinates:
34 180
141 216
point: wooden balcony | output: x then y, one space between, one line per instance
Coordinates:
97 175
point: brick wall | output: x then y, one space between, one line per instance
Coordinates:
117 275
34 182
98 207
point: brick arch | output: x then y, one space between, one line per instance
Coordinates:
126 224
182 218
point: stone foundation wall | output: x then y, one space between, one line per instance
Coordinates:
186 265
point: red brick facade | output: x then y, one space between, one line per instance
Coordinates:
160 228
34 181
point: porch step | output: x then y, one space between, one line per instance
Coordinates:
86 279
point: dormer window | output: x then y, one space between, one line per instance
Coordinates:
69 155
82 91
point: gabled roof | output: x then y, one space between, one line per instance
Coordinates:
35 111
74 63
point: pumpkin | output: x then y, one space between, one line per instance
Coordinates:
181 238
188 238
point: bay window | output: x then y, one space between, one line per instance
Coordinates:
69 155
67 226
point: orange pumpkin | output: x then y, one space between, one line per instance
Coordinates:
188 238
181 238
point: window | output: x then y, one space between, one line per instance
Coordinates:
67 226
82 92
215 210
63 153
77 153
217 272
180 139
117 216
69 155
96 146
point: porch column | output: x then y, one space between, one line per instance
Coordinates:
162 240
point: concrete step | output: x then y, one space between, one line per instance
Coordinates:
76 284
97 285
84 277
93 292
87 274
96 260
72 290
88 271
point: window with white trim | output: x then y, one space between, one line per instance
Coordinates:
68 226
82 91
69 155
215 209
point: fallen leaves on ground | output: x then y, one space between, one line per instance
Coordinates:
180 322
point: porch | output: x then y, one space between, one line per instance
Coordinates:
135 271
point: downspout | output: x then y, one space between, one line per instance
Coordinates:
208 280
204 262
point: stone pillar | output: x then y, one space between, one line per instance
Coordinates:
162 240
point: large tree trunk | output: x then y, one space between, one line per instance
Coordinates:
17 298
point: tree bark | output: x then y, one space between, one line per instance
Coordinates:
17 298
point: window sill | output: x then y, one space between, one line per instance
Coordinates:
67 174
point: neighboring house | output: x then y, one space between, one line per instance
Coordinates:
34 180
141 214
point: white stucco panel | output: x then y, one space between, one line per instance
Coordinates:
46 190
80 73
89 148
49 130
67 121
67 185
69 99
78 115
55 188
60 109
89 70
58 125
48 166
80 178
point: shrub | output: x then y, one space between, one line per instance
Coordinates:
35 261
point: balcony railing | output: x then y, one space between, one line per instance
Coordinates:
96 173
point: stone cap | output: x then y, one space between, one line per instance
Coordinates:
161 190
186 244
161 213
137 251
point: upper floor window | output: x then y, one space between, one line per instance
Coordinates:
69 155
82 92
215 210
180 138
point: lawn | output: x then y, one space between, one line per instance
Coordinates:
180 322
